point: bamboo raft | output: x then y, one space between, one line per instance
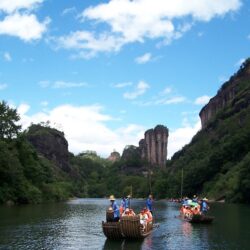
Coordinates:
128 227
112 230
133 229
200 218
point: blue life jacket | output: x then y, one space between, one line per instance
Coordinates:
127 201
116 210
149 204
204 206
123 203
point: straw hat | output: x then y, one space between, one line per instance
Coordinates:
205 199
112 197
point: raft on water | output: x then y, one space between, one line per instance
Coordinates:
200 218
128 227
112 230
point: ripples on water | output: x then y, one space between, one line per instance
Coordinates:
77 225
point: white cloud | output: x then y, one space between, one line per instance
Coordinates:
3 86
10 6
122 85
62 84
136 21
144 58
44 83
202 100
27 60
23 109
223 79
171 100
7 57
180 137
166 91
69 11
240 62
17 19
44 103
140 89
85 128
24 26
163 98
88 43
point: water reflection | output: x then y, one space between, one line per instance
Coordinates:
123 245
77 225
186 229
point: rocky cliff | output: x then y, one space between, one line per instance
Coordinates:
226 94
114 156
153 147
51 144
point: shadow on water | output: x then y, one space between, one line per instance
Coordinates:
123 245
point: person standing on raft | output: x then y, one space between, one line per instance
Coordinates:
115 208
149 203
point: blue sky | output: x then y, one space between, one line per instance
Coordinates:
106 71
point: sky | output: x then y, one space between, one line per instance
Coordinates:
104 72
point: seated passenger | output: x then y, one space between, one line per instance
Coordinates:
149 215
188 213
143 218
126 212
131 212
196 210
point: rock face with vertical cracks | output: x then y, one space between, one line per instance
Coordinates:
226 95
152 150
153 147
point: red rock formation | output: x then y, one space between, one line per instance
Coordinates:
114 156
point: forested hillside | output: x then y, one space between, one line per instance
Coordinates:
217 161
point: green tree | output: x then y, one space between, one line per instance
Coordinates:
8 120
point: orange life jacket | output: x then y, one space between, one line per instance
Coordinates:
121 209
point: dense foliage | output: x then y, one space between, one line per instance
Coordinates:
8 120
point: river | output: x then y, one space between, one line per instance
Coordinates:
77 225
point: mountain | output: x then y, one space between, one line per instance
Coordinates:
51 144
217 161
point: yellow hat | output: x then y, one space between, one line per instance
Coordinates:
112 197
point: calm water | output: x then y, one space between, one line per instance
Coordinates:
77 225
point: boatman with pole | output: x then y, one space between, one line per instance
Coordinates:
149 203
115 208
